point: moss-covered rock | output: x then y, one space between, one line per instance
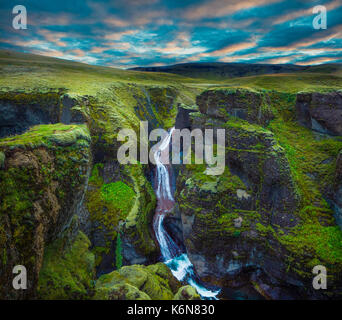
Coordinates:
268 209
249 105
68 269
337 190
20 110
187 293
41 188
2 160
123 199
138 282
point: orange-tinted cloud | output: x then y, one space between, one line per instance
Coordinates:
220 8
318 61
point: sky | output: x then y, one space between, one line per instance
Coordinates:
131 33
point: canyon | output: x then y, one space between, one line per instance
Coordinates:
89 227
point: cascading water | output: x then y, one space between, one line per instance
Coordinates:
172 254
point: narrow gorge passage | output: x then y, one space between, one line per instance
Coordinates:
172 255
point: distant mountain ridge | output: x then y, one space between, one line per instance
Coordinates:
222 70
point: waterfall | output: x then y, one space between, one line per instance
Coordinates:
178 261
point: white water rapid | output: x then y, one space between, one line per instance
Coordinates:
172 254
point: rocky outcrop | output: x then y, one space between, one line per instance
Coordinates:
337 198
68 269
223 103
231 211
156 104
136 282
187 293
321 112
183 116
246 225
119 199
20 111
42 184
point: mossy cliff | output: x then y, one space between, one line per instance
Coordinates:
265 220
321 112
21 110
68 270
46 169
42 182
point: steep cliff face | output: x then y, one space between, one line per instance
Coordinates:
265 220
68 269
321 112
42 183
21 110
337 192
248 105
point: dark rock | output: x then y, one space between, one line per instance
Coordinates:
19 114
51 193
321 112
338 190
15 119
223 103
230 222
182 118
69 113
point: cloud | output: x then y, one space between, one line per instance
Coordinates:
298 13
232 48
154 32
316 61
119 35
220 8
54 37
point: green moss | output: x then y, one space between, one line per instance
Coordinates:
227 182
312 159
68 270
187 293
119 195
49 98
42 178
139 219
325 241
131 200
95 178
152 282
2 160
46 135
118 252
245 127
108 203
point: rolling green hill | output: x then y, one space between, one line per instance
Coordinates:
223 71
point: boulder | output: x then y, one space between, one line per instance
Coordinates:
187 293
138 282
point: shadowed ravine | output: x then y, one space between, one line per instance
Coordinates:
172 255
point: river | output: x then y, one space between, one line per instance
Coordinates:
173 256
